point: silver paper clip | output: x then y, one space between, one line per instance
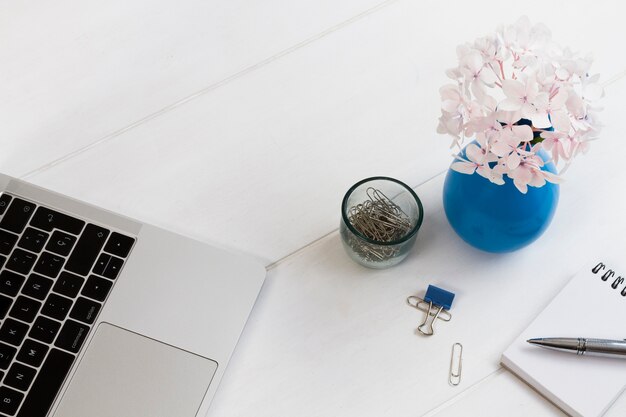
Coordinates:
456 366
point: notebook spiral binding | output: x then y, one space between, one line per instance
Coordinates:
609 274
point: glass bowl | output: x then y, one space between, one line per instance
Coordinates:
380 218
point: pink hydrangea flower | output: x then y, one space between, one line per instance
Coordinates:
515 93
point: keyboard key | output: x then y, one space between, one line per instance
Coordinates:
56 307
5 200
10 400
108 266
6 355
49 264
113 268
86 251
10 283
37 286
72 336
21 261
61 243
25 309
32 353
3 259
44 329
119 245
85 310
68 284
101 263
47 220
33 240
7 242
47 384
5 304
19 376
13 332
97 288
17 215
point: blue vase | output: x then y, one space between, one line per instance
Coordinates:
498 218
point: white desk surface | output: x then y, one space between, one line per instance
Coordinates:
242 124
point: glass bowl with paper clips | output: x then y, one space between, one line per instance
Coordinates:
380 218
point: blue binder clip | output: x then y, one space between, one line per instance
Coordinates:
436 304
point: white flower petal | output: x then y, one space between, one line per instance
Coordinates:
558 101
537 180
449 91
542 102
489 102
478 90
481 138
491 157
474 153
523 132
561 121
488 77
454 73
484 171
547 144
528 111
510 104
474 61
500 169
513 89
522 187
501 148
521 173
463 167
541 120
513 160
508 117
562 73
451 106
553 178
575 105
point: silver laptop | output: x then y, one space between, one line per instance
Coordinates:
105 316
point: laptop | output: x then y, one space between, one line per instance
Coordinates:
105 316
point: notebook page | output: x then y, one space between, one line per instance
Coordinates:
587 307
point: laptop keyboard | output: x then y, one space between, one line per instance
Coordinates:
56 272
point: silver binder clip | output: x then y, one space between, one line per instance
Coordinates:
435 304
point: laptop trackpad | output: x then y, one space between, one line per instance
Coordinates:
123 374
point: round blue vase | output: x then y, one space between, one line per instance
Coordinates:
498 218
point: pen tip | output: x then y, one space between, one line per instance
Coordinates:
533 341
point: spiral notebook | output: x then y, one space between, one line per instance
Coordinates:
592 304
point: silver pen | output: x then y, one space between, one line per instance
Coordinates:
583 346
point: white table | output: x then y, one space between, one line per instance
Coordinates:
243 123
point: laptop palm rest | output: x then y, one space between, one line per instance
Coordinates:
123 374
